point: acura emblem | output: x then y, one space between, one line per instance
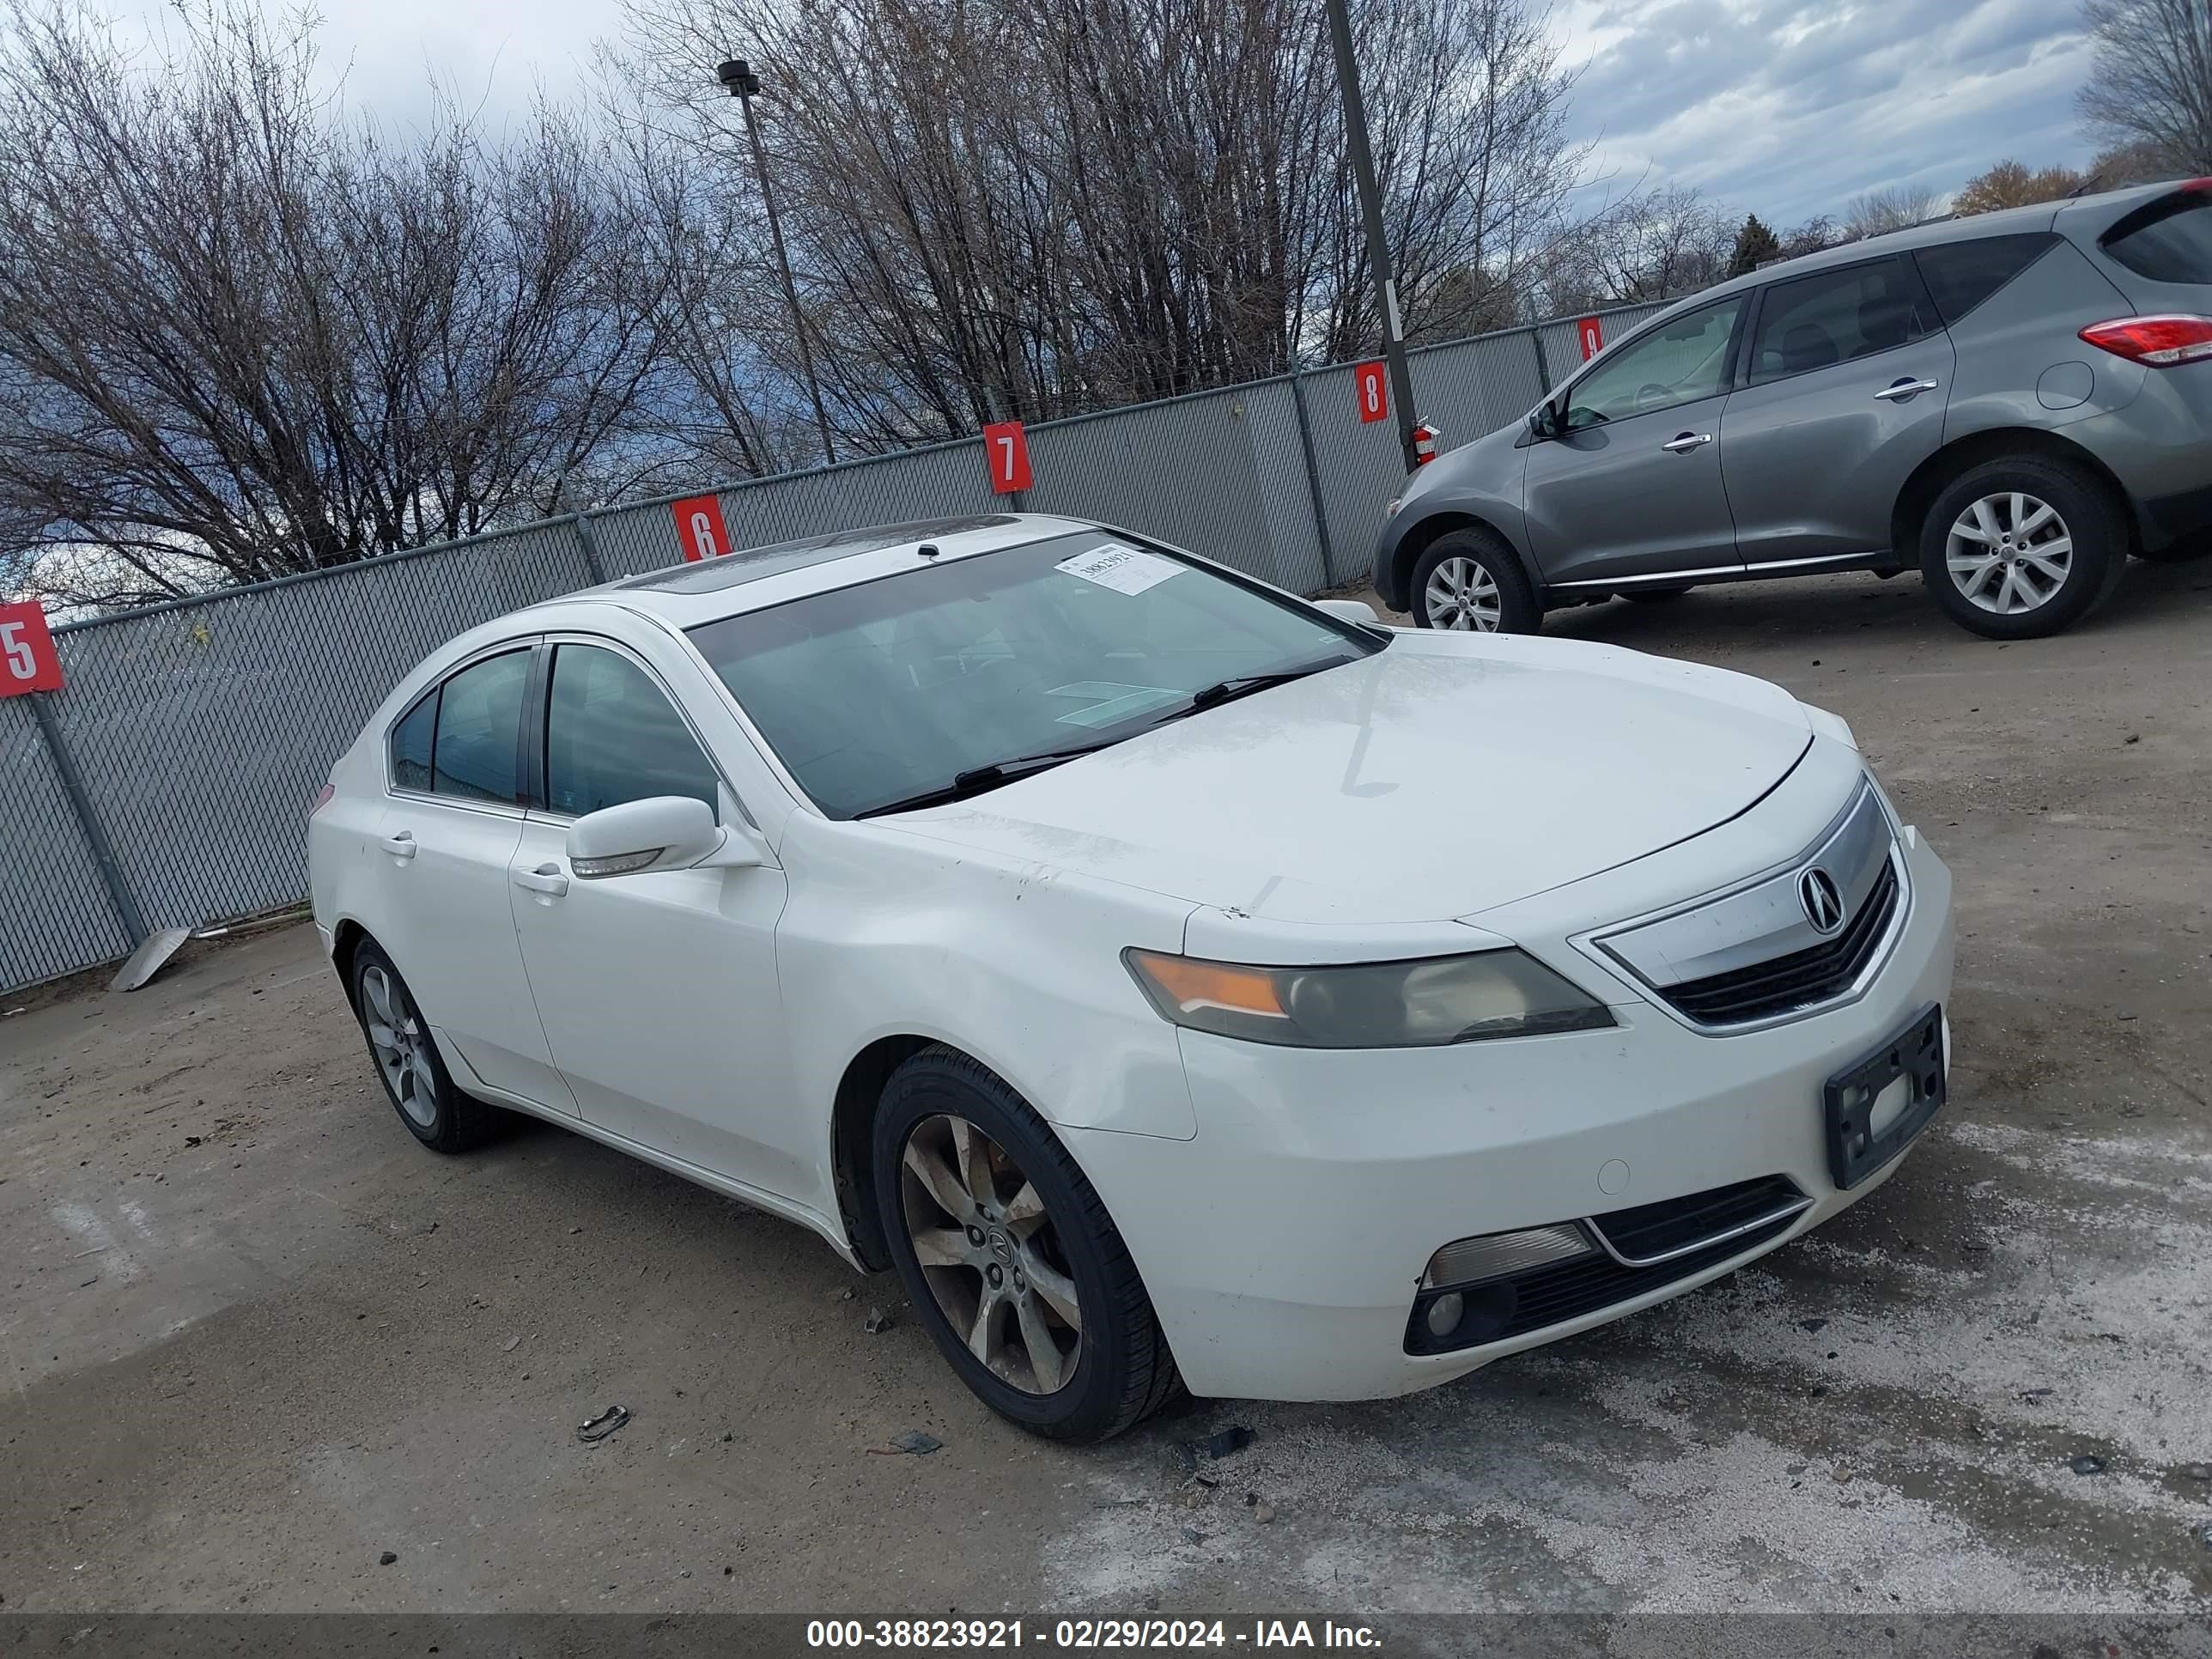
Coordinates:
1824 905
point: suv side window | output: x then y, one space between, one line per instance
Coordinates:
1961 275
612 736
479 730
1836 316
1682 363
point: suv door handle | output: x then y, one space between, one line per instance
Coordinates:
400 845
545 878
1899 391
1686 442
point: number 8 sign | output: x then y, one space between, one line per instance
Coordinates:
1368 381
28 661
1007 450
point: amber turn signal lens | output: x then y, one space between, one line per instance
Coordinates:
1191 984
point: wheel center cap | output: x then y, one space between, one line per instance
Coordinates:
1000 1245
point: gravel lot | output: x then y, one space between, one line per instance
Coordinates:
255 1338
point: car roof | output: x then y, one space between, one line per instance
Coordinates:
686 595
2091 211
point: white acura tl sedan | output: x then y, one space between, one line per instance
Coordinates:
1174 981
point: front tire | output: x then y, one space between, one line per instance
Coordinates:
1009 1257
1470 581
2021 548
407 1062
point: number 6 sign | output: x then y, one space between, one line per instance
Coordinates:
1007 451
28 661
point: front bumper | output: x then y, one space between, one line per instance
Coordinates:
1282 1246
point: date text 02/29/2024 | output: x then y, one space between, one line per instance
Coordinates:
1085 1634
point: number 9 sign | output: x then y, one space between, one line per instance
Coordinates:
28 661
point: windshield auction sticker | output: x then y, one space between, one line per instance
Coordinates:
1124 569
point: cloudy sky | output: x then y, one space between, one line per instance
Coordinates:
1784 107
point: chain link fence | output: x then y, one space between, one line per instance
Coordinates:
200 730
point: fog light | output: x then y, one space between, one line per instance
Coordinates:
1444 1313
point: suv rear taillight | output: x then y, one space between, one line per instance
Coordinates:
322 798
2159 341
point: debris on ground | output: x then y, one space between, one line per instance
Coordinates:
1227 1443
1264 1514
387 1558
877 1322
512 1343
596 1428
2198 1471
919 1442
845 1294
1811 1324
2088 1463
1193 1535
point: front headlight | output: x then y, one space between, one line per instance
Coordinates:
1376 1004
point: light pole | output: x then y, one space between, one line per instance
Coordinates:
1371 205
737 76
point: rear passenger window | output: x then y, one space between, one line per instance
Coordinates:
411 744
1961 275
2169 242
479 731
1835 317
612 736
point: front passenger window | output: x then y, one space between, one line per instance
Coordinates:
612 736
1683 362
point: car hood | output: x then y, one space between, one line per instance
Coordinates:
1445 775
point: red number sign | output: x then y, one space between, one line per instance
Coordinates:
1374 392
700 529
1007 451
28 661
1591 332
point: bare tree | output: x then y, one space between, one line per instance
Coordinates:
2011 184
2151 83
1891 208
243 335
1655 243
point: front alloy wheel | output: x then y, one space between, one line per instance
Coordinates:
990 1256
2009 553
1009 1259
1462 596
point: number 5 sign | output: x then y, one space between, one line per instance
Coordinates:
28 661
1008 452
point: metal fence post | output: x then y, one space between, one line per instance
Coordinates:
1313 474
103 852
1543 369
590 546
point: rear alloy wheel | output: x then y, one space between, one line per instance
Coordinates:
1009 1257
1470 581
2018 549
407 1062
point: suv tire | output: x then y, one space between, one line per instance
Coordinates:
2056 541
1470 580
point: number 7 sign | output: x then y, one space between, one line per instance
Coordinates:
1007 451
28 661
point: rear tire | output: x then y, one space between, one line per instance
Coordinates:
2022 546
1470 581
1016 1239
408 1063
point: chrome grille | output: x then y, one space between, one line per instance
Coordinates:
1800 979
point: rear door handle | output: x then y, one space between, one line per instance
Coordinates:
1899 391
1687 441
401 845
545 878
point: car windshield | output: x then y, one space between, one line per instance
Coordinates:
932 683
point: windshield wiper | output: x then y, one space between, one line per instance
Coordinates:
978 779
1243 685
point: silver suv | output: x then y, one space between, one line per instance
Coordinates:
2014 402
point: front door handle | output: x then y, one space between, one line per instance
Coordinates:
1897 391
1686 442
545 878
401 845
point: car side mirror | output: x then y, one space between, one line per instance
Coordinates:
1543 423
1351 611
662 832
